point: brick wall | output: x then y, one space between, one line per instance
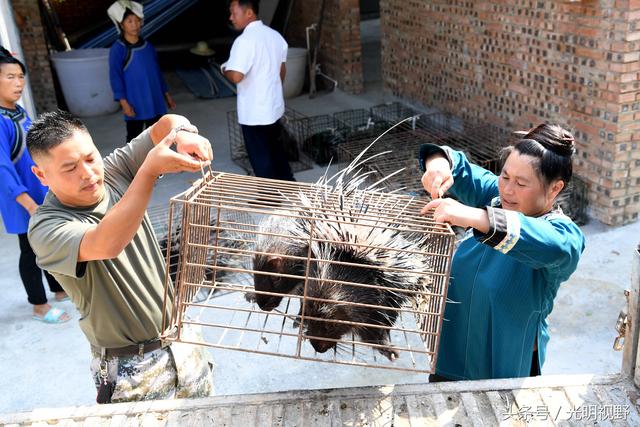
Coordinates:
340 51
518 63
36 54
74 15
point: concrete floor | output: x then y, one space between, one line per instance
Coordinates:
47 365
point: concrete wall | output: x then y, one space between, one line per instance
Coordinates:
518 63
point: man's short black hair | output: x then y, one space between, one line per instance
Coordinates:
251 4
7 58
50 130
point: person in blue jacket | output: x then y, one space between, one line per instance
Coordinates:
20 191
517 251
134 72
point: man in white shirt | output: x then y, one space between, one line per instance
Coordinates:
257 65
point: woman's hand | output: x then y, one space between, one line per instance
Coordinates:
438 178
455 213
127 109
27 203
170 102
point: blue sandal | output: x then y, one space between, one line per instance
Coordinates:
54 315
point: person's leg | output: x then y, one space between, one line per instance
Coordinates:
30 273
193 364
31 276
54 286
136 378
281 166
435 378
256 142
535 365
134 128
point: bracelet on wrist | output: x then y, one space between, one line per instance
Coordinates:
186 127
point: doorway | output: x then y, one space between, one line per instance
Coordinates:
370 36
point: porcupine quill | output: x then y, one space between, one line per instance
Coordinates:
335 215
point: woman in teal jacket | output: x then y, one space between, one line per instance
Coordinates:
517 251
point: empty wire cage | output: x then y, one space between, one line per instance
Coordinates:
290 135
401 154
351 277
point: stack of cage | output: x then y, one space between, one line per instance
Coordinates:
254 220
394 112
398 151
319 137
291 134
482 143
361 124
574 200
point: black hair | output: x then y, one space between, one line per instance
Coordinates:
552 147
127 13
50 130
251 4
7 58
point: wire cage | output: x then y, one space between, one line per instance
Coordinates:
360 124
574 201
401 155
394 112
354 277
161 216
319 136
482 143
290 135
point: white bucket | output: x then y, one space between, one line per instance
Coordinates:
84 78
296 66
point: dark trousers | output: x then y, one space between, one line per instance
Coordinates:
535 370
31 274
266 152
135 127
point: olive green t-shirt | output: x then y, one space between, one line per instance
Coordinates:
120 300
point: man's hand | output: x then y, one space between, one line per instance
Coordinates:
162 159
194 145
438 178
455 213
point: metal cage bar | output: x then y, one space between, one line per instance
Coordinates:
224 217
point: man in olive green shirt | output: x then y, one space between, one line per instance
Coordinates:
92 233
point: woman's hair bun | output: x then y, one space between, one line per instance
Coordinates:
552 137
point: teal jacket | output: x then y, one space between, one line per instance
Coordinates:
503 283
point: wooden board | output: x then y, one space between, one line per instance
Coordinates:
545 400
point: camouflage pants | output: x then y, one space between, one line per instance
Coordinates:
178 371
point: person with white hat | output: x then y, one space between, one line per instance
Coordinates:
257 66
136 79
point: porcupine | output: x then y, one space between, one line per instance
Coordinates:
275 258
224 258
337 203
385 256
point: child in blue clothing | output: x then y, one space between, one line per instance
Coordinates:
517 251
20 191
136 79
